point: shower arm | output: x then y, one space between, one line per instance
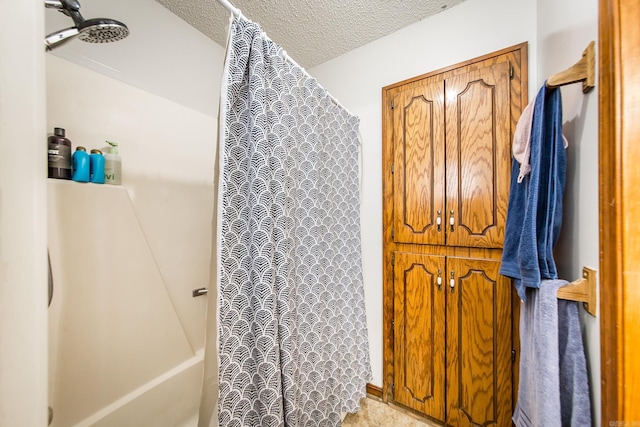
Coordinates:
63 5
55 4
70 8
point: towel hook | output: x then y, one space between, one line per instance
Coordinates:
582 71
583 290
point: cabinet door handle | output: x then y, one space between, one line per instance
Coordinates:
439 279
439 221
452 220
452 282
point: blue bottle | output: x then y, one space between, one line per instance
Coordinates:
97 166
81 168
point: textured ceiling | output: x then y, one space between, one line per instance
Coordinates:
311 31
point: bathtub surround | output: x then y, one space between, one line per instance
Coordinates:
173 194
171 199
292 327
163 115
114 333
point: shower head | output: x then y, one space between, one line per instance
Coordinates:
102 30
98 30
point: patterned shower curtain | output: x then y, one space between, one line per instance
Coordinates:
293 346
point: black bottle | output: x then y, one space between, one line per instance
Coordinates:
59 155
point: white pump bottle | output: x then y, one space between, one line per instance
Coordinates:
112 165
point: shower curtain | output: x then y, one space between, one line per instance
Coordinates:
293 345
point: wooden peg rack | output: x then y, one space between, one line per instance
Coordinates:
582 71
583 290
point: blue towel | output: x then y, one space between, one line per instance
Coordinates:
554 386
534 215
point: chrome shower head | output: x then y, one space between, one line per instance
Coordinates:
101 30
98 30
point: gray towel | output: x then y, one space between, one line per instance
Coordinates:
554 387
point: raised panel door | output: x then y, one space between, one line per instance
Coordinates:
419 361
478 141
419 172
478 343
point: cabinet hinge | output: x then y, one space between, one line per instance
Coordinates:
392 105
513 354
392 168
393 260
393 233
510 71
393 323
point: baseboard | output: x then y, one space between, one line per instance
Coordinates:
374 390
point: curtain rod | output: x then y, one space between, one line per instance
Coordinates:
231 8
236 12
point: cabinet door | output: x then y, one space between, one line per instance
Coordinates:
478 156
419 380
479 343
419 173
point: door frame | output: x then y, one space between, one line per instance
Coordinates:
619 207
387 197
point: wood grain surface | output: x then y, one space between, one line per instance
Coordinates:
446 147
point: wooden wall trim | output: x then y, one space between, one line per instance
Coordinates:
387 220
609 212
522 47
619 178
374 391
630 210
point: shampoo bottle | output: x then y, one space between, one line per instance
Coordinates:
112 165
96 160
81 165
59 149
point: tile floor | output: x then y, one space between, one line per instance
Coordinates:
374 413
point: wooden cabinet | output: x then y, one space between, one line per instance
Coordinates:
418 163
478 335
478 160
458 307
448 315
451 141
419 330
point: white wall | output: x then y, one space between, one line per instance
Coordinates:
474 28
565 28
23 227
